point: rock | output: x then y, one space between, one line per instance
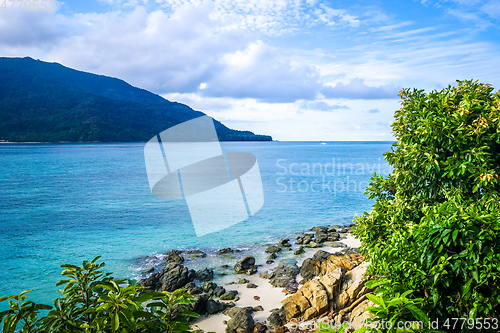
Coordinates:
243 281
321 255
225 266
281 329
266 274
219 291
299 240
174 257
284 243
334 236
313 244
209 287
310 268
307 238
285 274
258 308
205 274
321 236
241 321
269 262
229 295
193 289
257 298
343 230
150 270
152 282
259 328
273 249
309 301
272 256
212 306
246 265
334 244
199 303
225 251
320 228
331 282
330 230
277 318
358 314
335 226
196 254
300 250
252 285
174 276
352 287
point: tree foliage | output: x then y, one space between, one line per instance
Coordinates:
435 223
93 301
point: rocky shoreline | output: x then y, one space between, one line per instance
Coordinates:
317 276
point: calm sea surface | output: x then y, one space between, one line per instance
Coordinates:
65 203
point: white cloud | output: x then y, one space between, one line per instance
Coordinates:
356 89
322 106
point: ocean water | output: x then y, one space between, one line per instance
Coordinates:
65 203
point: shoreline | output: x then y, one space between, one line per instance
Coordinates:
262 297
270 297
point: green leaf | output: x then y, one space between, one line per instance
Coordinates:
417 313
115 322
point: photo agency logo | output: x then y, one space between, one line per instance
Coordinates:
335 177
186 162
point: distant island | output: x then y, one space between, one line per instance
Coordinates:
48 102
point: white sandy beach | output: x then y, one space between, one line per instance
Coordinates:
270 297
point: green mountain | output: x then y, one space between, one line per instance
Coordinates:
41 101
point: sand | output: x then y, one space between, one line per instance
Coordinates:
270 297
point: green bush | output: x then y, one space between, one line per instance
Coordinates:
93 302
434 226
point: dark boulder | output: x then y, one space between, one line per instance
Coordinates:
310 268
277 318
152 282
219 291
321 255
213 306
300 250
200 301
174 257
246 265
205 274
193 289
229 295
209 287
241 321
273 249
174 276
321 236
285 274
225 251
284 243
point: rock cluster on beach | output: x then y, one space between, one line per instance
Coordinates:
327 284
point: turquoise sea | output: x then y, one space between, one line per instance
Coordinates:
64 203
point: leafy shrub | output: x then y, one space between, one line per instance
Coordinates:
93 301
435 223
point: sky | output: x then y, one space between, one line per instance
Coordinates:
310 70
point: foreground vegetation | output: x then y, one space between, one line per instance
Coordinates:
432 235
92 301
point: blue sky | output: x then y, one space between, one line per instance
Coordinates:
297 70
